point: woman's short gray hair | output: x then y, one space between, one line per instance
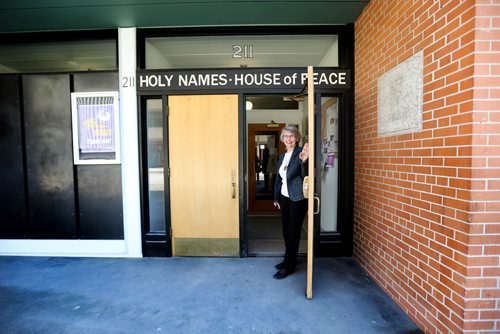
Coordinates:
293 129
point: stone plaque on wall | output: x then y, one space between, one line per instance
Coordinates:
400 96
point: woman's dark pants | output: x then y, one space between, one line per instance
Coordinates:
292 215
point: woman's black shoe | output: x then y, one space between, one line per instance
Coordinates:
279 266
282 273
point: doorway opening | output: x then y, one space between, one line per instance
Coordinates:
266 116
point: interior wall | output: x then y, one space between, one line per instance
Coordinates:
278 116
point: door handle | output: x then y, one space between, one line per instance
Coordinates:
305 187
317 208
233 183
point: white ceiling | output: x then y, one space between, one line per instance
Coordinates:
174 52
218 51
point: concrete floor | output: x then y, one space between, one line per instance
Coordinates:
190 295
265 236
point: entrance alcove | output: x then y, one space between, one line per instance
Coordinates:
173 65
266 118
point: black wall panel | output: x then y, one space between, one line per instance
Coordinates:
96 82
100 198
99 186
49 156
12 193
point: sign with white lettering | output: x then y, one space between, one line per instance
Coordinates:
241 79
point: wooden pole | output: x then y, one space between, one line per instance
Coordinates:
310 203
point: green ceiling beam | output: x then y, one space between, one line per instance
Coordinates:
60 15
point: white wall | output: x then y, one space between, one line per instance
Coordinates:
331 57
278 116
130 144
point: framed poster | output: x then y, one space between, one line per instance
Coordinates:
96 128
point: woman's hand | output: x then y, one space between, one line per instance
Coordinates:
277 205
304 155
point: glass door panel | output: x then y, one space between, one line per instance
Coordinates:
156 170
329 172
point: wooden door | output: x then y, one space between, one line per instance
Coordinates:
203 159
310 189
261 185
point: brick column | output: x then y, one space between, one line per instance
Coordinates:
427 203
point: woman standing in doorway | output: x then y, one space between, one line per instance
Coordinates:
289 197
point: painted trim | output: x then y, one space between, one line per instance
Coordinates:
129 143
73 248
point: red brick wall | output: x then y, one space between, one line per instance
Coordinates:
427 203
482 302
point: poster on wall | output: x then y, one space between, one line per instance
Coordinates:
329 131
96 129
95 123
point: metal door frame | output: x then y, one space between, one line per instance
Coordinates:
326 244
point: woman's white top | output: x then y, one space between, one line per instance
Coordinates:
282 171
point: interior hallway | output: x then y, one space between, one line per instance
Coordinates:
265 237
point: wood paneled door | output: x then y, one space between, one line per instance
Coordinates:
203 161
